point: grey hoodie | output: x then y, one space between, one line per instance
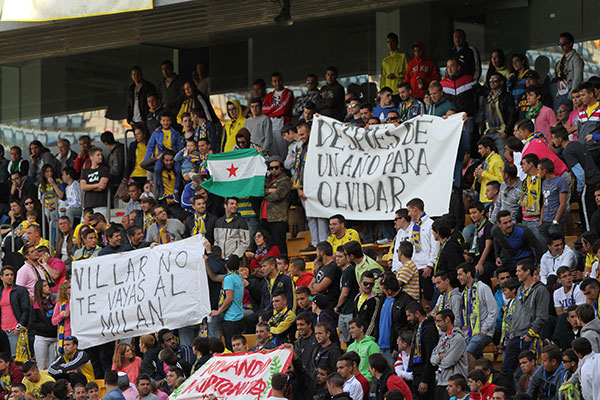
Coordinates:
455 302
531 313
455 360
591 331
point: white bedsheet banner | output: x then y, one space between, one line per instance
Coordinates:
368 175
129 294
45 10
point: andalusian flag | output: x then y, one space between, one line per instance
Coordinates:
238 173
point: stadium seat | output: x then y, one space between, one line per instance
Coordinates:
250 340
310 266
306 235
294 245
101 386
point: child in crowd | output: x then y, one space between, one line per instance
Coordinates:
163 138
404 343
31 218
509 289
190 160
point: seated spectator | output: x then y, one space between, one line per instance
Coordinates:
480 388
590 325
172 362
71 205
493 376
111 384
558 255
409 107
457 388
263 338
201 349
11 375
90 246
231 231
134 189
527 363
116 243
239 344
549 377
125 360
74 365
543 117
144 387
260 249
459 87
304 300
298 270
34 379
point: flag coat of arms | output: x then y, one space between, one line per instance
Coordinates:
238 173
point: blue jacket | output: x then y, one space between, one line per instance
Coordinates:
156 142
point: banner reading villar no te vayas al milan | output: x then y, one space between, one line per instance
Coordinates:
369 174
47 10
239 376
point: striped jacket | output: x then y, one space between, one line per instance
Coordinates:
588 126
460 91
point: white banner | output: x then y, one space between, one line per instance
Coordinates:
142 291
369 174
44 10
239 376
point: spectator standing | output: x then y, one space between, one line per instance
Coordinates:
275 205
450 297
298 269
94 183
135 190
385 380
425 246
328 352
362 262
14 307
154 110
340 235
231 231
499 112
278 106
509 194
420 71
65 156
33 270
450 354
588 121
408 273
40 156
165 229
543 117
409 107
439 105
554 191
64 248
497 64
459 87
89 247
590 324
513 242
136 154
115 161
451 252
170 88
530 314
363 345
478 312
260 127
327 278
201 222
569 69
425 338
368 304
306 344
393 66
331 102
40 322
481 252
490 169
116 243
348 291
311 95
584 168
467 55
71 205
516 79
137 106
233 125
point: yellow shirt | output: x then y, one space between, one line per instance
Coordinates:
589 110
491 172
349 236
167 139
77 232
34 388
361 300
396 63
43 242
140 153
169 182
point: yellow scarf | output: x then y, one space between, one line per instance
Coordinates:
530 195
162 234
199 226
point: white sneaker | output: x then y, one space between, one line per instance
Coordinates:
384 241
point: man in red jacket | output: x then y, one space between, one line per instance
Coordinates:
384 379
420 71
10 374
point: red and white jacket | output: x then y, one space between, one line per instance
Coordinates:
283 109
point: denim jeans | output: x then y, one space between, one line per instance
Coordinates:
13 339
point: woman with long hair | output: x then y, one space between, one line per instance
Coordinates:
62 313
125 360
50 190
40 322
261 247
136 153
497 64
30 203
516 79
190 102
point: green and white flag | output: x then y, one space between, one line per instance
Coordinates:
238 173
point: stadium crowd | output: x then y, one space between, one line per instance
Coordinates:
417 322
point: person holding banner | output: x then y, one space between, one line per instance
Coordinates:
165 230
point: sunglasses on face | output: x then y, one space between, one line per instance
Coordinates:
28 203
562 43
494 80
368 283
354 105
274 168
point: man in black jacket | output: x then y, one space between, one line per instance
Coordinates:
137 106
450 253
499 112
300 382
306 345
328 352
331 101
424 341
467 55
368 304
19 304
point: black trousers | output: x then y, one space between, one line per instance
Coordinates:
231 328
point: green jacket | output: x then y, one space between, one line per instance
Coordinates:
364 349
278 201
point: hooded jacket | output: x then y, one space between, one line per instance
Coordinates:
591 331
232 127
532 312
232 237
544 385
388 381
395 63
365 348
401 300
468 56
455 361
424 371
421 71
